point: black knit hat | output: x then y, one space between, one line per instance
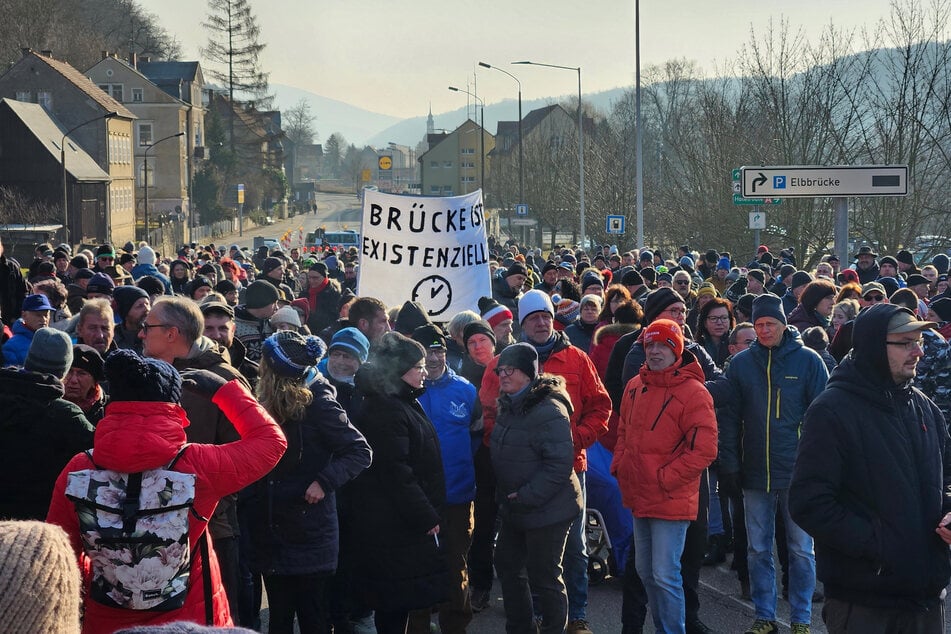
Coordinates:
270 264
319 267
225 286
88 358
768 305
430 336
260 294
632 278
482 328
126 297
198 282
521 356
800 278
942 307
516 268
151 285
412 315
135 378
657 301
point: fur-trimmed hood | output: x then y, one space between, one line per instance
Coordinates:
615 330
544 386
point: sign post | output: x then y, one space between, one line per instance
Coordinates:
240 209
839 182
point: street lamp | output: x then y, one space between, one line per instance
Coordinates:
62 160
521 173
146 176
580 139
639 143
481 134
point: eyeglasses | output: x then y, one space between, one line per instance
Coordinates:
718 320
504 371
909 346
675 311
145 326
875 298
681 282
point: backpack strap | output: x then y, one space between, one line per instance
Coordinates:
206 578
181 452
88 453
130 506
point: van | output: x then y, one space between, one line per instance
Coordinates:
336 239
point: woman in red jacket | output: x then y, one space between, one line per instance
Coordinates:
666 438
144 430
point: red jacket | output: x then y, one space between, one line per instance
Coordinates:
136 436
591 403
667 437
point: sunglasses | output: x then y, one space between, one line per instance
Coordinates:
875 298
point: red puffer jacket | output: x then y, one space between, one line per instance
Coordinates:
591 403
137 436
667 437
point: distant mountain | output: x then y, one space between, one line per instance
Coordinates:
362 127
355 124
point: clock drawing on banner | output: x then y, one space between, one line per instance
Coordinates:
435 293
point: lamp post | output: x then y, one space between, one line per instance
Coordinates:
521 173
62 160
580 140
639 142
146 176
481 133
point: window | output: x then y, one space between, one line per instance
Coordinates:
137 94
468 179
434 189
45 99
468 165
24 96
145 134
447 164
447 190
434 164
468 150
140 178
113 90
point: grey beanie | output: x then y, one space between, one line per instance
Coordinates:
521 356
51 352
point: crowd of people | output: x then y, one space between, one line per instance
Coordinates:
206 426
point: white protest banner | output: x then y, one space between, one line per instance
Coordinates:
426 249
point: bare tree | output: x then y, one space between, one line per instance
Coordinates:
298 123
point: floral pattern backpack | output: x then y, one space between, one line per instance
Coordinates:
134 528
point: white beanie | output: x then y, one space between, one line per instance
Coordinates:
532 302
146 256
286 315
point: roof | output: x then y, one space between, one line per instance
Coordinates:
49 133
127 67
169 72
84 84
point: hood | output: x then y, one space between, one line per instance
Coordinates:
614 330
21 391
688 367
545 385
205 353
134 436
869 330
19 328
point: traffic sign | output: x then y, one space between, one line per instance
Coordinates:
757 220
615 225
521 209
810 181
738 195
739 200
385 163
241 194
523 222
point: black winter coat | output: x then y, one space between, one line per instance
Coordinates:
533 456
291 536
872 481
40 433
396 501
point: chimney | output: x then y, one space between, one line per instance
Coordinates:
48 54
146 59
26 51
134 60
105 54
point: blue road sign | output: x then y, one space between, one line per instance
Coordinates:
615 225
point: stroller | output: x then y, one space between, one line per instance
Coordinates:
597 547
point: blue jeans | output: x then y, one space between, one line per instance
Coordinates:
659 545
575 562
761 531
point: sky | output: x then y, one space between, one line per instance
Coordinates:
397 58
